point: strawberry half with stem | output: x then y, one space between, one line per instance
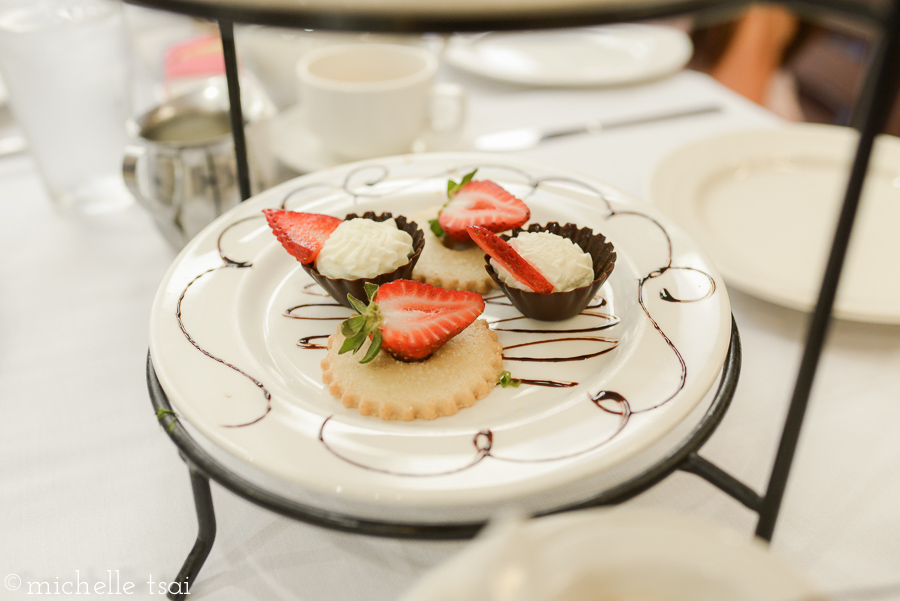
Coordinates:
478 202
301 234
410 320
513 262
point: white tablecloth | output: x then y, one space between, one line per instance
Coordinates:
92 487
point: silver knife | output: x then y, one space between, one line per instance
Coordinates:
529 137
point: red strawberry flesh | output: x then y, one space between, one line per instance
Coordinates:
513 262
485 204
420 318
301 234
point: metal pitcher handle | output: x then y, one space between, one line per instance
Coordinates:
133 154
168 219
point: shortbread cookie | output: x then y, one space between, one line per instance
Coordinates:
447 268
459 373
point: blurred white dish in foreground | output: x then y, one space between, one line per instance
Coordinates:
596 56
613 555
764 205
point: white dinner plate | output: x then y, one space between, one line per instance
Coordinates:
237 325
764 204
614 555
596 56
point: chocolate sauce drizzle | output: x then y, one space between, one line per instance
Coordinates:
228 263
608 395
306 344
548 383
611 320
483 441
314 290
668 341
363 182
622 409
498 299
612 342
667 296
290 312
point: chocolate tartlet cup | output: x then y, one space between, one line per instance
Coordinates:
339 288
556 306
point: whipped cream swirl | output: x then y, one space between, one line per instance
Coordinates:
363 248
558 259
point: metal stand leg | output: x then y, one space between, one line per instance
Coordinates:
874 106
206 535
226 29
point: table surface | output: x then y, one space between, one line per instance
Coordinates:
93 487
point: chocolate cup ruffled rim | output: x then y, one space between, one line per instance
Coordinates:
556 306
339 288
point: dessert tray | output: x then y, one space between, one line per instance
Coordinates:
764 205
237 333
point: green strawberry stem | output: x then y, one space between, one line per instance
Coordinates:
374 348
356 330
507 381
435 226
453 189
161 413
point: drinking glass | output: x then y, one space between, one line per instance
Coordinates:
65 63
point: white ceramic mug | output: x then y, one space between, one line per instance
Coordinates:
368 100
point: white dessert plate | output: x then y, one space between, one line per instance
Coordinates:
764 205
607 555
237 328
596 56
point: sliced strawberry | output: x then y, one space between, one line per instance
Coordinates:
513 262
301 234
410 320
420 318
482 203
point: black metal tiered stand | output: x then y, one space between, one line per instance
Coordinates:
870 115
